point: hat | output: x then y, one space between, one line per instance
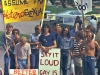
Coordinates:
9 25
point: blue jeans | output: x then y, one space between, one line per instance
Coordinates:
22 63
64 61
12 60
34 59
88 65
6 64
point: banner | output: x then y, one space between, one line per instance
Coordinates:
23 72
49 64
23 10
85 5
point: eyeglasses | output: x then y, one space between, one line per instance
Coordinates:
15 33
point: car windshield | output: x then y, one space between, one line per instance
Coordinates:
73 12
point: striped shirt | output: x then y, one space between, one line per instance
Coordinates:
76 47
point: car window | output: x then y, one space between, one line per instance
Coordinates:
77 13
69 20
88 18
71 13
60 20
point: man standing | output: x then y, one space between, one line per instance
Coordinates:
6 40
34 41
22 53
93 22
89 54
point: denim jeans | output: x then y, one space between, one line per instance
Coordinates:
34 59
12 60
98 65
88 65
22 63
64 61
6 64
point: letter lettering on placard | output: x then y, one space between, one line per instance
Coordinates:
44 72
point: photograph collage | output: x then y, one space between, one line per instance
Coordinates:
49 37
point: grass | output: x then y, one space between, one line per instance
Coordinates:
53 9
20 36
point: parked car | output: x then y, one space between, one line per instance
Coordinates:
70 20
69 13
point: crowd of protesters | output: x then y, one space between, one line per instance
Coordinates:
79 43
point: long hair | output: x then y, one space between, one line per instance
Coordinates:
46 25
68 34
77 18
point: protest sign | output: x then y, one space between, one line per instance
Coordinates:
23 10
83 5
49 63
23 72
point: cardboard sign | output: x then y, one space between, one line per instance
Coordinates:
23 10
23 72
51 16
49 63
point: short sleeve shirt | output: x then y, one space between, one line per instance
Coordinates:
22 52
33 38
47 40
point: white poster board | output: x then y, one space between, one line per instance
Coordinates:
23 72
49 64
51 16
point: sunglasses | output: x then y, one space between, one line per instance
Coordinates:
15 33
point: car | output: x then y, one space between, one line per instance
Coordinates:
88 17
69 13
69 21
67 18
46 12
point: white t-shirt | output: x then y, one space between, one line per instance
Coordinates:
93 23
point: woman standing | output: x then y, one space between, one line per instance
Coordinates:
64 43
79 21
47 39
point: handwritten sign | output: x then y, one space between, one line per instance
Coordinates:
49 64
23 72
51 16
23 10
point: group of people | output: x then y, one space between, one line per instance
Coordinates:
23 53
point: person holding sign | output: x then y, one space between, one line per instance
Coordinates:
64 43
22 53
15 33
47 39
6 43
34 42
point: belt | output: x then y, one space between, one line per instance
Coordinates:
64 49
